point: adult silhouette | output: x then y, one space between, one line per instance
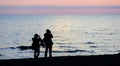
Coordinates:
36 45
48 42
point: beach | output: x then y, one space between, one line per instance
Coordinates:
93 60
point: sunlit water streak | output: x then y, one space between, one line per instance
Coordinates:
73 34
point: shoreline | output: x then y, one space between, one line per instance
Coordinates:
94 60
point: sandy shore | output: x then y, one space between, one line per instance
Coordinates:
97 60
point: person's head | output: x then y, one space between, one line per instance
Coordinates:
48 31
36 35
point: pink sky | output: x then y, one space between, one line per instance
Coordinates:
60 3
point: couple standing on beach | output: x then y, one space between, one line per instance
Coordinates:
47 40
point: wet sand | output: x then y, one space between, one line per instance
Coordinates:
96 60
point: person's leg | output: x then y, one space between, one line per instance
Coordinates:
46 50
34 53
38 52
50 51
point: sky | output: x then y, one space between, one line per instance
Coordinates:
59 6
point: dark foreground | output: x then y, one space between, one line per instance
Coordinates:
98 60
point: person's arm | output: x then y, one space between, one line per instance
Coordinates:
40 38
32 39
51 36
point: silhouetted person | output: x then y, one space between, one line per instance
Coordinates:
36 45
48 42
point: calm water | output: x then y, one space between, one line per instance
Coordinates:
73 34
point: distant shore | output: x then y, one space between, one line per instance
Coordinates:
95 60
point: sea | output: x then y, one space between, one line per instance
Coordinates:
73 34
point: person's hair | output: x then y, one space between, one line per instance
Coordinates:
36 35
48 31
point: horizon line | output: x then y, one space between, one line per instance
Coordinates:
62 14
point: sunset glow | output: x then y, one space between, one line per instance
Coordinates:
61 2
18 6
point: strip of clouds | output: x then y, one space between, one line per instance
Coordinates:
59 10
58 7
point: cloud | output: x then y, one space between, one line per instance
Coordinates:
59 7
59 10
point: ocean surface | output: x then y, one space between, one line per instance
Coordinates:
73 34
